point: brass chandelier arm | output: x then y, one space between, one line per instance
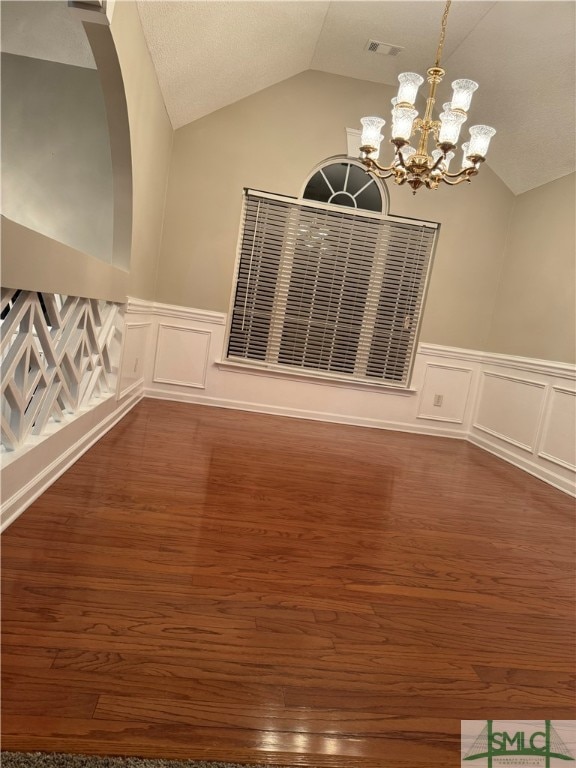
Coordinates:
371 164
460 180
379 172
382 175
382 171
464 172
471 171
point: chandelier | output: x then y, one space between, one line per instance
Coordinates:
415 165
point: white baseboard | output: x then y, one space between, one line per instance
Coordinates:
525 463
21 499
299 413
136 388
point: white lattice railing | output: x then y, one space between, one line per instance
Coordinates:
59 354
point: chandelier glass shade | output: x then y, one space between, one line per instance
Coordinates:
417 165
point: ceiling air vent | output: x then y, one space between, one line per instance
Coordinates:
384 49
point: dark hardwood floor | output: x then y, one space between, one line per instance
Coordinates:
214 584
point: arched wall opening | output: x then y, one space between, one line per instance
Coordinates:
67 173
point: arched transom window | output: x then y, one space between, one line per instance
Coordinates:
344 183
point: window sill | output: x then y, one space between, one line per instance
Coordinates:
254 369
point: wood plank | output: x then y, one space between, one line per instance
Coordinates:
168 680
540 678
26 657
36 697
213 584
464 700
333 669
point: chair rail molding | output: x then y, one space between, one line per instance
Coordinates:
511 362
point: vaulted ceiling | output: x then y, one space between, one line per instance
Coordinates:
211 53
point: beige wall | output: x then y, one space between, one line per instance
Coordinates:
151 138
271 141
535 310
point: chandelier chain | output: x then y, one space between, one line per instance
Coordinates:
442 33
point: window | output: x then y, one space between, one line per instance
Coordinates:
344 184
326 286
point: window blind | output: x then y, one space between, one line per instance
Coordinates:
328 290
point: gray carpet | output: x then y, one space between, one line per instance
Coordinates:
55 760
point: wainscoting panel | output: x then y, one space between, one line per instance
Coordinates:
445 393
510 409
558 443
181 356
136 343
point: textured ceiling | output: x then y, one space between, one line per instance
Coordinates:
413 25
45 29
528 88
211 53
